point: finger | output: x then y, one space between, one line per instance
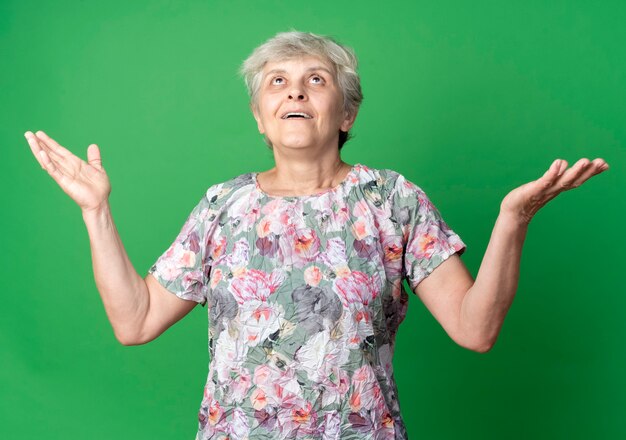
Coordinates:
51 168
52 144
34 147
93 156
595 167
550 177
570 176
39 144
554 168
62 163
553 171
64 160
601 164
55 165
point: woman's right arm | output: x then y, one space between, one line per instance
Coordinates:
124 293
139 310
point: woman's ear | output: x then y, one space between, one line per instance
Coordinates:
348 121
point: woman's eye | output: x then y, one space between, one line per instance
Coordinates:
280 80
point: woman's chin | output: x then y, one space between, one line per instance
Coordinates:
296 142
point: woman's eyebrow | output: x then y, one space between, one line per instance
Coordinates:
307 70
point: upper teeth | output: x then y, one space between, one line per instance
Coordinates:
307 116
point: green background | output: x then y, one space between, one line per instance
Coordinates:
469 100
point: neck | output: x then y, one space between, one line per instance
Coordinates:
305 177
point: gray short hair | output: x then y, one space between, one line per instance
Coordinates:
293 44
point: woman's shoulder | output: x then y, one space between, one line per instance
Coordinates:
218 193
385 179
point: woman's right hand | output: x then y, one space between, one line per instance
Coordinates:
85 182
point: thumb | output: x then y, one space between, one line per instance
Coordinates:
93 156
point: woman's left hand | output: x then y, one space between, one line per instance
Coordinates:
524 202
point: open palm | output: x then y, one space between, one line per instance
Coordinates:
524 202
85 182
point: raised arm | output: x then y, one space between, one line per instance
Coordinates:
473 311
139 310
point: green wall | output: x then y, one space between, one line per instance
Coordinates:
467 99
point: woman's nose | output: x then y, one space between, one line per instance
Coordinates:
297 94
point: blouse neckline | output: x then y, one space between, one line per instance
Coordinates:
345 180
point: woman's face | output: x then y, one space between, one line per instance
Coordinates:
304 85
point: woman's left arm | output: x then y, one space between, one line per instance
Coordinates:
487 302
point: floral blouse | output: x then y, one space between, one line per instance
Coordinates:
305 297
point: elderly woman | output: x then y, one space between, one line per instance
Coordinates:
302 265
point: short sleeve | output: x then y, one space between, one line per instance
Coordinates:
182 268
426 238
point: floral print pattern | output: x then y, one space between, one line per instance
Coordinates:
305 298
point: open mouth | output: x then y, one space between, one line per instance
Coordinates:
297 115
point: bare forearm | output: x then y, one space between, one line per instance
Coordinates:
124 292
487 302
